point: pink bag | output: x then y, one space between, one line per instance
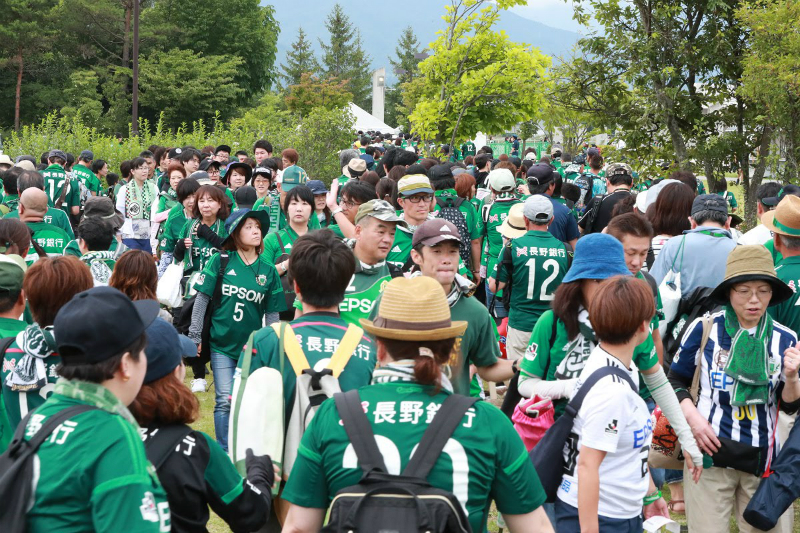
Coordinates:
532 418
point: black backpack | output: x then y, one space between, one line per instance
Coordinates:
401 504
548 456
16 468
449 210
696 304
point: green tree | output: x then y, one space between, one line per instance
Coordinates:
770 77
299 60
322 133
475 79
183 85
241 29
26 32
405 65
82 101
313 92
344 58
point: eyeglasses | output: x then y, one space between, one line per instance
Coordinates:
213 172
761 294
418 199
349 204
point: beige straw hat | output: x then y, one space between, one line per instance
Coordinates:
785 219
514 224
414 309
750 263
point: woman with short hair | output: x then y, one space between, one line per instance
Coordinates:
135 201
747 365
196 473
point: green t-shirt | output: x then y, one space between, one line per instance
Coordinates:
539 263
788 312
201 251
468 148
496 214
564 359
272 244
54 216
319 335
167 200
73 249
730 198
401 247
478 465
473 220
55 178
362 292
248 293
95 476
52 238
171 229
277 218
477 346
88 178
777 257
336 230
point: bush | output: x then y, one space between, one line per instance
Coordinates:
318 137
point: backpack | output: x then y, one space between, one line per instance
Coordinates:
696 304
313 386
591 215
449 210
163 442
585 182
402 503
548 456
17 467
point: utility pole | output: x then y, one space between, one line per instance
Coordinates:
135 99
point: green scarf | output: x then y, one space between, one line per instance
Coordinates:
94 394
748 361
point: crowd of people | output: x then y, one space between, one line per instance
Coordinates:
413 288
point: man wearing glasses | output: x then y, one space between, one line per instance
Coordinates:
354 193
415 196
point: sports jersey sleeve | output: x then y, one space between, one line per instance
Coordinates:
516 488
126 495
307 486
473 220
272 250
74 193
685 360
603 411
486 351
207 281
500 272
242 506
275 300
645 355
537 355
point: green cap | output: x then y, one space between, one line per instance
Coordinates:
292 177
380 209
12 272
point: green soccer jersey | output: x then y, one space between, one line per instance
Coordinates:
401 247
55 179
54 216
319 334
95 475
468 149
564 359
483 461
495 215
248 293
9 327
18 403
777 257
471 217
273 241
538 264
730 199
198 255
171 228
74 250
167 200
277 218
788 312
87 177
362 292
477 346
51 238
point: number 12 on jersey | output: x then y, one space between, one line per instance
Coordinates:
545 293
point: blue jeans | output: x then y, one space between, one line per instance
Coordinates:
223 368
499 311
567 521
138 244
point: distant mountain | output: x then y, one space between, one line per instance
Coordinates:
381 24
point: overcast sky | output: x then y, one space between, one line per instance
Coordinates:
556 13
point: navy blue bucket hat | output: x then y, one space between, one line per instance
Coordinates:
597 256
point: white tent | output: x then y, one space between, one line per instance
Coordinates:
366 122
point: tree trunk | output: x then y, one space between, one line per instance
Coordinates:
751 185
711 179
18 95
126 52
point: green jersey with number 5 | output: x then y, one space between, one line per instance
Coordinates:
483 461
248 293
538 264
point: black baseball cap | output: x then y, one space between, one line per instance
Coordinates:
440 172
245 197
165 349
540 173
709 202
787 190
97 324
205 164
175 153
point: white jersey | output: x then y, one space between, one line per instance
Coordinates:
613 419
758 235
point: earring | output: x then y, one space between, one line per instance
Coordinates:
126 378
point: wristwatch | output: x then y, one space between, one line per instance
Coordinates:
336 211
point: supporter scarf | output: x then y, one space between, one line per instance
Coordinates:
138 200
747 360
94 394
361 266
461 286
403 370
30 372
96 261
